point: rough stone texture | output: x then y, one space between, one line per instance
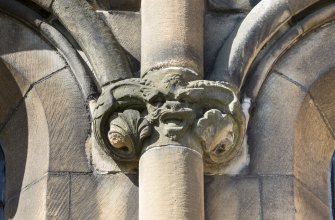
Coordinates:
12 90
129 37
103 196
218 28
297 6
58 196
95 38
171 184
119 5
25 142
30 204
323 94
102 163
271 129
277 198
68 122
30 56
232 198
228 5
46 4
254 32
172 35
313 150
300 63
307 205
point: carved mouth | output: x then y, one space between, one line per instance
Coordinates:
176 121
173 120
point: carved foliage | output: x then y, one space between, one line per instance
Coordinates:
175 113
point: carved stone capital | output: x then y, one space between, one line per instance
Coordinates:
135 115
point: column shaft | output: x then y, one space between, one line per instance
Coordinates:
172 35
171 184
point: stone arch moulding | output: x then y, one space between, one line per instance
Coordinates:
265 23
44 88
269 37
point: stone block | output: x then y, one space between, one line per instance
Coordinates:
307 205
307 60
30 56
104 196
323 93
277 198
12 89
232 198
25 142
313 150
68 122
30 204
271 128
58 196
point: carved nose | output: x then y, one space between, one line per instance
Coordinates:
172 105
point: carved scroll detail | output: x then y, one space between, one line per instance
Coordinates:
135 114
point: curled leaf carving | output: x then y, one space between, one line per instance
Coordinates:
217 133
126 133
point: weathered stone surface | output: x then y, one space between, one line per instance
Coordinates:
104 196
171 184
228 5
30 56
30 204
232 198
172 105
323 92
25 142
218 29
277 197
271 129
172 35
46 4
58 196
313 150
307 205
119 5
297 6
95 39
310 58
68 122
12 90
126 27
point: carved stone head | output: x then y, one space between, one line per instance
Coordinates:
135 115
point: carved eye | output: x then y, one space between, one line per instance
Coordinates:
157 101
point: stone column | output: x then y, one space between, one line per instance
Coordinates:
171 182
176 125
172 35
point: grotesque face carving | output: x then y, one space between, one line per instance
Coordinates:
134 115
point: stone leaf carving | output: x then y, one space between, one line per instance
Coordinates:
126 133
216 131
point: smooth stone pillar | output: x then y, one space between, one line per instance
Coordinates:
171 184
172 35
